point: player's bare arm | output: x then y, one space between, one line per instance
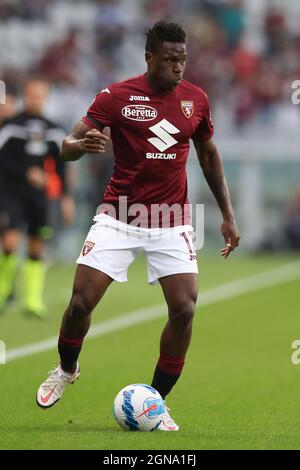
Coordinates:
212 167
82 140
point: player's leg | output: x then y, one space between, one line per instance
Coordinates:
105 257
11 224
10 240
34 268
34 273
180 291
89 286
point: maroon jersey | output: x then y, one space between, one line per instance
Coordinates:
151 134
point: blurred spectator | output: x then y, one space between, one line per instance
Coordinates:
28 10
109 29
230 15
7 10
58 65
156 9
275 30
33 10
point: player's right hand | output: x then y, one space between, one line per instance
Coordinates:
95 141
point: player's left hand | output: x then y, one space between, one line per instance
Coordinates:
231 236
95 141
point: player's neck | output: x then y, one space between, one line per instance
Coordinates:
31 112
155 86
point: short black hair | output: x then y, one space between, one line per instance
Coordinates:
161 32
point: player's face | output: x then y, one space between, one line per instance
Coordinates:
166 66
35 96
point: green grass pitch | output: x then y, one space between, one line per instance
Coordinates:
239 389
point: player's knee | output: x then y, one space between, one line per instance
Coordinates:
182 314
80 306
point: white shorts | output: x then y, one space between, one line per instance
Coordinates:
111 246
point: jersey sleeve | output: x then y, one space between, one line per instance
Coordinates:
205 129
99 114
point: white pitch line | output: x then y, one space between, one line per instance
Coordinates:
228 290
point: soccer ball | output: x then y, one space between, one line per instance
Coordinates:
139 407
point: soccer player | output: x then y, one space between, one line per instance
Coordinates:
152 118
29 145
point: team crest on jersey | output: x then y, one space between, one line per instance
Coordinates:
87 247
187 107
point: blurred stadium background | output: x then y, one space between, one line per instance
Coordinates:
245 54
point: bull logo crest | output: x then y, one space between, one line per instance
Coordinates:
87 247
187 107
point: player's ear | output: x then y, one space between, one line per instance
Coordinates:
148 57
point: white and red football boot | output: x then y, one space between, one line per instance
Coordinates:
167 423
50 391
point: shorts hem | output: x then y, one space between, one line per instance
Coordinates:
155 280
104 270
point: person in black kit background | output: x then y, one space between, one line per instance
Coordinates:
31 173
8 109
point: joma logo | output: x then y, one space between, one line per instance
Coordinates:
139 98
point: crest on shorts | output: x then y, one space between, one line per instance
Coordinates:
187 107
87 247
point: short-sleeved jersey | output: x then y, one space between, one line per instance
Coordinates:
151 134
27 141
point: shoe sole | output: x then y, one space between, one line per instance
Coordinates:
54 403
168 430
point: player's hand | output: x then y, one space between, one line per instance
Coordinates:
36 177
94 141
231 236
